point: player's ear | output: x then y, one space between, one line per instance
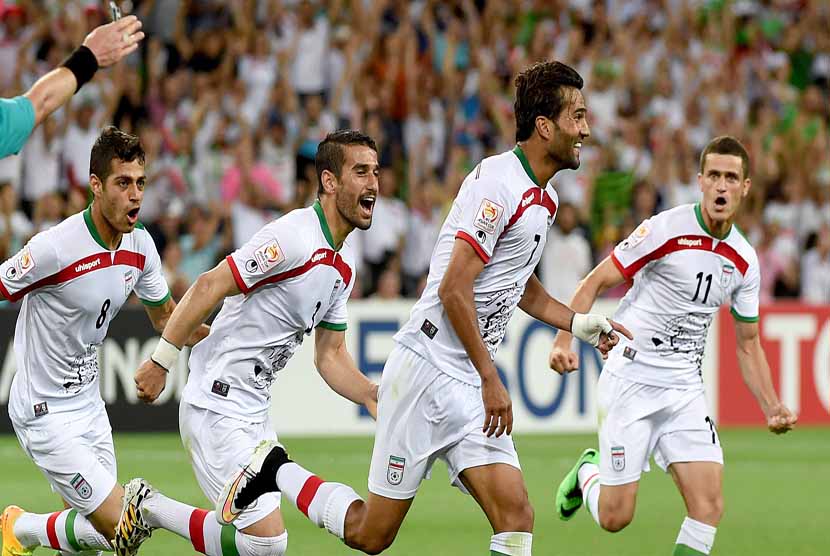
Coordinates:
329 181
700 181
544 128
96 185
745 187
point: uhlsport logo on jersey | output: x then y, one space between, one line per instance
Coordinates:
690 242
81 486
268 255
488 216
727 272
618 458
83 267
394 471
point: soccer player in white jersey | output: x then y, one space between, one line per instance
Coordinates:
685 263
441 396
292 277
73 279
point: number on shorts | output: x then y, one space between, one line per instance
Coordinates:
712 428
102 318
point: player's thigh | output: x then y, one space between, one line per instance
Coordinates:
499 489
70 461
413 424
688 434
701 485
218 447
626 431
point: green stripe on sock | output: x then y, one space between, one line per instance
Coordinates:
494 553
683 550
228 539
70 531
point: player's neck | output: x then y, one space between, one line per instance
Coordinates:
542 168
333 222
109 236
719 229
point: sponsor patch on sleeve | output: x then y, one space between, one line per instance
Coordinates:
636 237
267 256
22 264
488 216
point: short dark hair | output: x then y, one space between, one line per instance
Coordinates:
540 92
113 144
726 144
331 154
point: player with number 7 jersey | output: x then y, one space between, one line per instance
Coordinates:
72 280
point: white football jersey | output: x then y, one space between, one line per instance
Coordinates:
292 280
502 212
72 285
682 275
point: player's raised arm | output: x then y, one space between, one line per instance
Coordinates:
756 375
336 366
195 307
606 275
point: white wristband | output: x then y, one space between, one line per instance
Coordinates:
166 354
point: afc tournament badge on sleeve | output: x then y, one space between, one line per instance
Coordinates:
394 471
488 216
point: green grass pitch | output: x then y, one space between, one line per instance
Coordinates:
777 496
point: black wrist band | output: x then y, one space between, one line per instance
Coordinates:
83 64
573 314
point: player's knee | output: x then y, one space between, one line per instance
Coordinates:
374 543
520 518
708 510
615 518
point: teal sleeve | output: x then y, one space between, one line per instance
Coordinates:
17 119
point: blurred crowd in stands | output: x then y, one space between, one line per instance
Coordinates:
230 99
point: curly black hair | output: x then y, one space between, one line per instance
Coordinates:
540 91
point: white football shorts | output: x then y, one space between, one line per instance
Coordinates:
638 420
219 446
75 452
424 415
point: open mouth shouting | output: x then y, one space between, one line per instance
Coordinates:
720 202
132 216
367 205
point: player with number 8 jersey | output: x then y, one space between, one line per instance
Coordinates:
72 280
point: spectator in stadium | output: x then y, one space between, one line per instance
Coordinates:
566 258
815 270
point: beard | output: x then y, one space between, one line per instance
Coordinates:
349 210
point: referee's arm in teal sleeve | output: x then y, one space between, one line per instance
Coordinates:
17 119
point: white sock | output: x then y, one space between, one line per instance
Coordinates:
588 476
196 525
204 532
325 504
511 544
249 545
697 536
66 531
